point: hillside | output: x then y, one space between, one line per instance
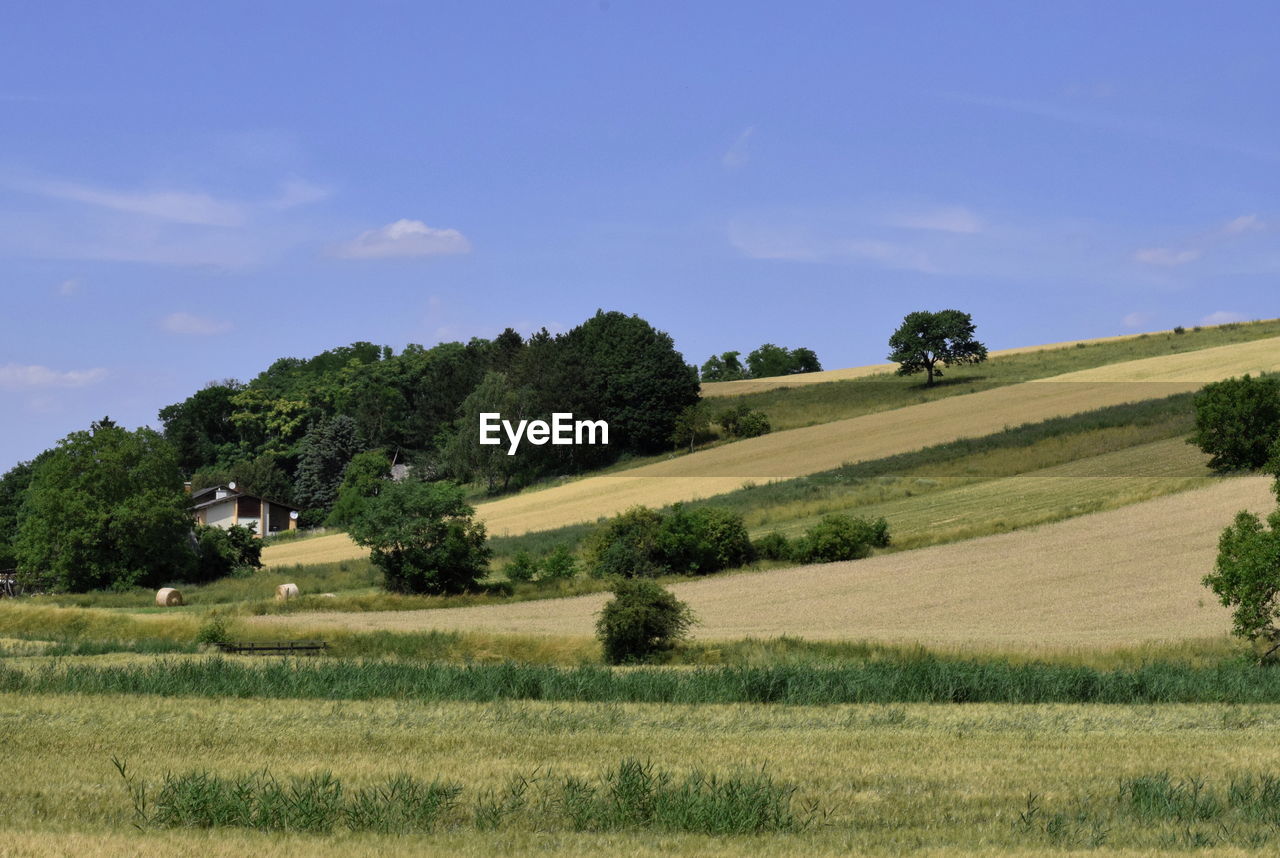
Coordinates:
797 452
1119 577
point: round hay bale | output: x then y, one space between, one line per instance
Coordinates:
168 597
285 592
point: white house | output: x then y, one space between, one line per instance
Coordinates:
224 506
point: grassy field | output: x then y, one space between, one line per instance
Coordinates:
1115 577
882 779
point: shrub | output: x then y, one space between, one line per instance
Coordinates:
213 632
1237 421
773 546
558 565
1179 330
742 421
642 621
423 537
222 552
522 568
645 543
840 537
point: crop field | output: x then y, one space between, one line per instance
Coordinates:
1117 577
866 778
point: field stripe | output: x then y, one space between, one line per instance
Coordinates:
1124 576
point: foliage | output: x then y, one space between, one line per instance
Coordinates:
723 367
691 424
200 427
522 568
1237 421
925 340
13 488
465 456
213 632
1246 577
773 546
105 508
221 552
261 475
646 543
558 565
325 450
770 360
363 478
840 537
641 621
423 537
743 421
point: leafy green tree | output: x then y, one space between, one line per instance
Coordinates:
221 552
424 538
626 546
692 423
742 421
13 489
702 540
200 427
724 367
928 341
325 451
363 478
105 508
641 621
770 360
465 456
1238 421
1246 578
840 537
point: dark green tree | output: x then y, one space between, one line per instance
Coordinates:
200 427
466 457
105 508
363 478
641 621
1246 578
769 361
1238 421
325 451
929 341
724 367
220 552
424 538
13 489
692 423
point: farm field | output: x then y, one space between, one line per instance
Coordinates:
797 452
1110 578
942 780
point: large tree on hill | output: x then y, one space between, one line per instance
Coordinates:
13 489
928 341
200 427
1238 421
325 451
770 360
1247 578
105 508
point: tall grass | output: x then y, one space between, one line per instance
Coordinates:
926 679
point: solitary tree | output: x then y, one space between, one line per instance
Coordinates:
1238 421
423 537
926 340
1247 578
642 620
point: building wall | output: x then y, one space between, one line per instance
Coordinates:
221 514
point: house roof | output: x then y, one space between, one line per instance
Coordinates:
231 494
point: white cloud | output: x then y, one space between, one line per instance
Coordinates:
1166 256
404 238
889 255
943 219
298 192
19 377
1223 317
69 287
1136 320
737 156
167 205
1242 224
187 324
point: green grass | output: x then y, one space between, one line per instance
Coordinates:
912 679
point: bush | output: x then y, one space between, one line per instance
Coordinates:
1237 421
213 632
222 552
645 543
559 565
742 421
522 568
773 546
423 537
1180 330
840 537
642 621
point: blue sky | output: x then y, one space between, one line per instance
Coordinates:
189 191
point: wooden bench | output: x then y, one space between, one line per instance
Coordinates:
275 647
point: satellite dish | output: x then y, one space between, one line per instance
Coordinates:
293 514
231 485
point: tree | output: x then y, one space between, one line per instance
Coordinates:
840 537
363 478
423 537
770 360
641 621
13 488
692 423
326 449
1238 421
1247 578
200 427
222 551
465 456
925 340
723 367
105 508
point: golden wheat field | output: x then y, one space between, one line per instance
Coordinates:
932 779
797 452
1118 577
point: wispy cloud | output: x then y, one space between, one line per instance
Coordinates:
188 324
69 287
1136 320
1192 248
1167 256
800 245
1223 317
298 192
956 219
166 205
16 377
737 155
404 238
